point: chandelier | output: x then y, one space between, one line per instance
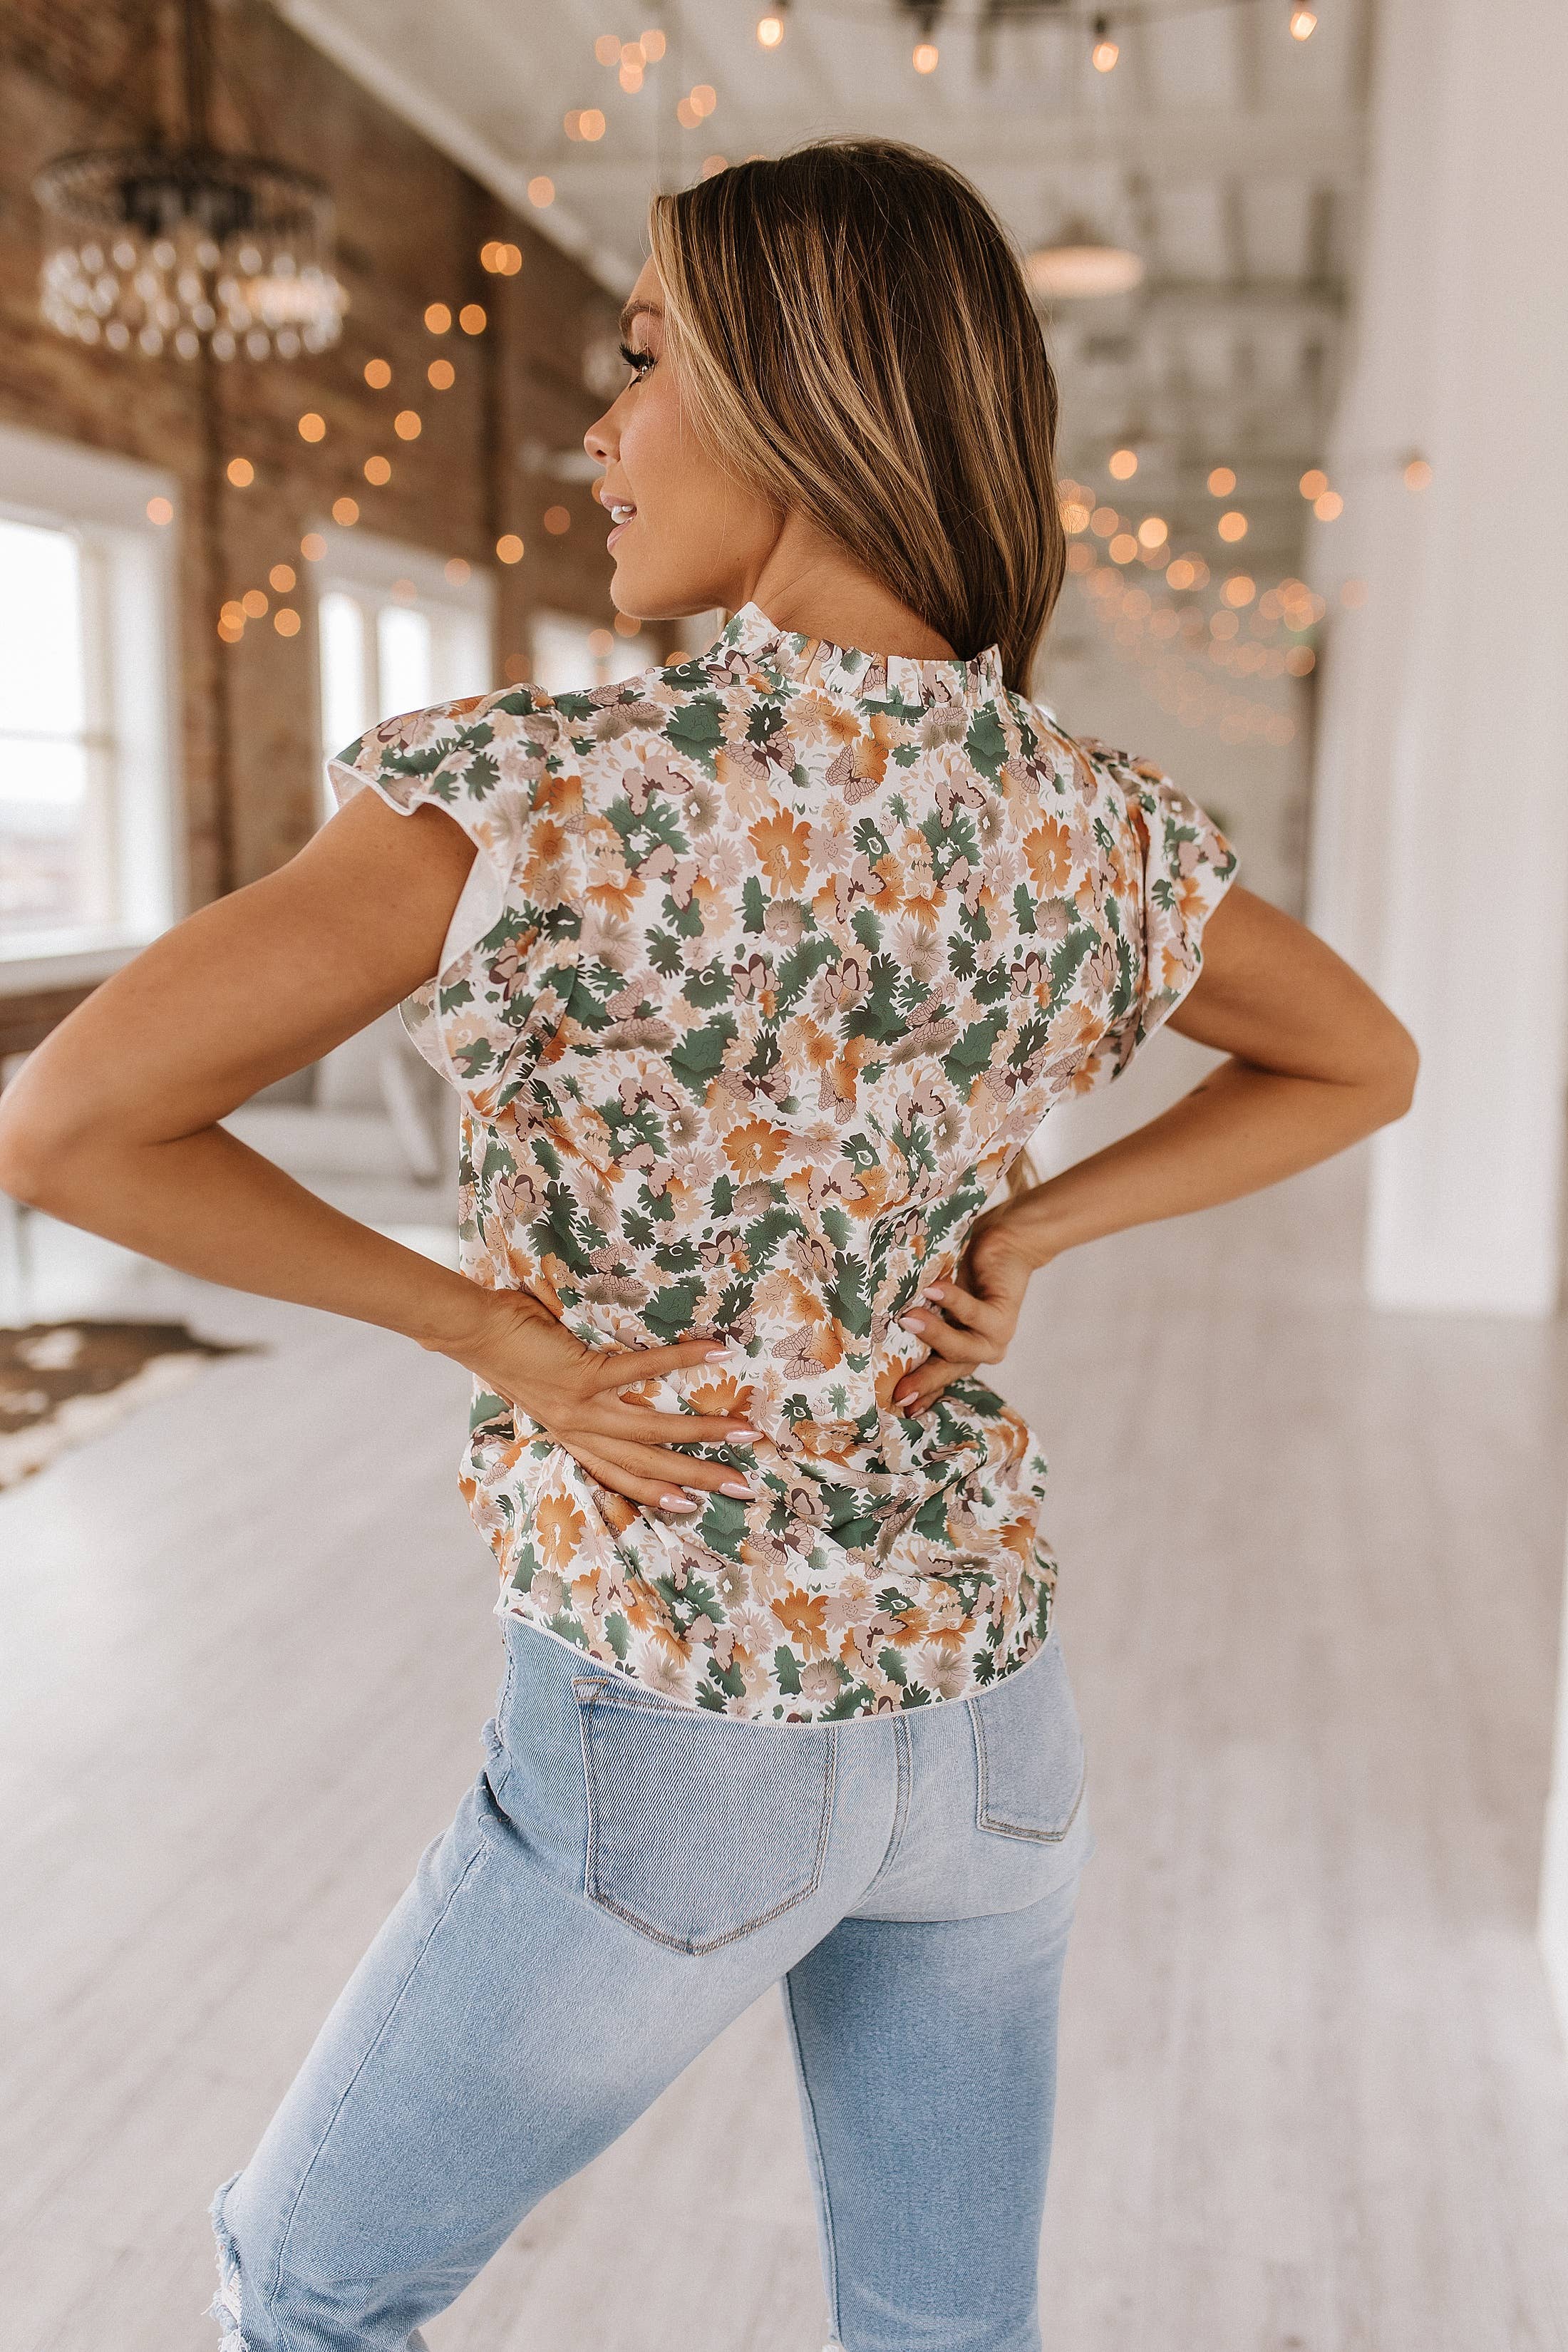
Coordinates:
177 248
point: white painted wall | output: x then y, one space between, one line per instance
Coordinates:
1441 854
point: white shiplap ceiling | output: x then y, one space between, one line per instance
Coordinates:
1226 153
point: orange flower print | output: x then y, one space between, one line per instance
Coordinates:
755 1148
804 1616
559 1527
1049 852
784 848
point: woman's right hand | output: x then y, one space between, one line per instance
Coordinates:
574 1393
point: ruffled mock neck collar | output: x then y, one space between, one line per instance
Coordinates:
846 669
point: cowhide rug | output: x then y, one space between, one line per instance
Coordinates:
63 1383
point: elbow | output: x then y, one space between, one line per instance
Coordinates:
1399 1066
34 1155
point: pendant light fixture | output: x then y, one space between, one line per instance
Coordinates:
1079 265
170 247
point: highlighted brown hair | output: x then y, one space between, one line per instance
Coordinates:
856 335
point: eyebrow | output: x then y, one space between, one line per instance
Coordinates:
639 311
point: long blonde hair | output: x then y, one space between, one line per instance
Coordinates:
857 338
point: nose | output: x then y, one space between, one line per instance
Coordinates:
600 442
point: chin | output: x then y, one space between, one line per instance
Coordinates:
652 600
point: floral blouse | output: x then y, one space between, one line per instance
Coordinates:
769 964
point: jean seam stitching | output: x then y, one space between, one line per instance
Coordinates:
903 1755
477 1856
828 2231
993 1822
697 1946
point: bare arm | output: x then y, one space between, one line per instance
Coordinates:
112 1125
1316 1061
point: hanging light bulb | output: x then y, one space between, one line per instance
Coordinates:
771 25
1304 21
926 53
1105 52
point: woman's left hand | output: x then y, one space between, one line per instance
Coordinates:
977 1313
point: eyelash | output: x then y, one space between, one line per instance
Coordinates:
640 362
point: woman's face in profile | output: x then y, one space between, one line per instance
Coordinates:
687 537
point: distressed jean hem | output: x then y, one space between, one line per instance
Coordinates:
225 2305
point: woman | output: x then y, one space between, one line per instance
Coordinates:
755 975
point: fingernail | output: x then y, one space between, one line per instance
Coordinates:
716 1356
934 1289
912 1315
734 1486
741 1436
676 1503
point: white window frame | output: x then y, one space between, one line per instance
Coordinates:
129 574
364 565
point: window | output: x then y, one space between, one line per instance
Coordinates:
87 855
394 634
570 655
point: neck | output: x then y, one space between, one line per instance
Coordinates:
810 588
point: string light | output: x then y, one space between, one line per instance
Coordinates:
541 189
377 374
1232 524
281 577
771 28
377 471
927 56
584 122
1105 52
1222 481
241 473
345 512
456 570
1153 531
286 621
1122 465
437 319
1303 22
1416 473
160 511
1313 483
313 428
407 425
653 45
509 548
557 520
1329 507
471 318
607 49
441 375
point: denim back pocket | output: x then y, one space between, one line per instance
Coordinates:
699 1829
1028 1751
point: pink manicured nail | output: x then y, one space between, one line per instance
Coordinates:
934 1289
733 1487
741 1436
913 1314
717 1355
676 1503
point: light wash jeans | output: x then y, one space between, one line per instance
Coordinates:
624 1878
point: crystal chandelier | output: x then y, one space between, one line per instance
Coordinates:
172 248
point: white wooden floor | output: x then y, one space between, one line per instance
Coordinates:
1312 2098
